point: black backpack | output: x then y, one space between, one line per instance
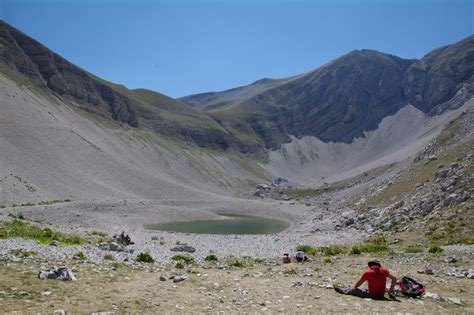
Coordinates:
411 288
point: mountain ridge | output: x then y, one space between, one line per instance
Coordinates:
336 102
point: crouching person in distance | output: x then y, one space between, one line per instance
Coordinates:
376 277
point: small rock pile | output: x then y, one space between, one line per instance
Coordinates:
274 191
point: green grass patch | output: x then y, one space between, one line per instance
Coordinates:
19 228
99 233
22 253
332 250
184 259
52 202
326 250
414 249
376 243
28 204
118 265
307 249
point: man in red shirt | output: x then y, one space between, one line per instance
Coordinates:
376 277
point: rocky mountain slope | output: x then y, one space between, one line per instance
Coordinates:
348 96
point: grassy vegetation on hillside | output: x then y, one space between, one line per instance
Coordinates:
23 229
375 244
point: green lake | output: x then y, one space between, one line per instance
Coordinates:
225 224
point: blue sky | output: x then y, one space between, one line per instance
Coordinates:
184 47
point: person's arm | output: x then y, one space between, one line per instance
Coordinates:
392 285
359 283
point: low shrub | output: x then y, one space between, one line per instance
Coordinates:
184 259
80 256
211 258
20 252
117 265
289 272
355 251
109 257
435 249
99 233
236 263
145 257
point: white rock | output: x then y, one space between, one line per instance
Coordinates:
434 297
456 301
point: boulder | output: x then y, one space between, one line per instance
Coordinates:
470 274
179 278
61 273
350 221
450 260
442 173
434 297
183 248
280 182
114 247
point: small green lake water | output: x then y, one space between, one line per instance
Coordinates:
226 224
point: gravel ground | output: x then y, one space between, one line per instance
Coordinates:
306 227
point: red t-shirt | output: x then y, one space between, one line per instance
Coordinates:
377 279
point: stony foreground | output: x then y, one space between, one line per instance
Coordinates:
262 287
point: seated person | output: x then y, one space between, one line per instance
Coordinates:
376 277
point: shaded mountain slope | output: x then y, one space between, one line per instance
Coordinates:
49 151
27 61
